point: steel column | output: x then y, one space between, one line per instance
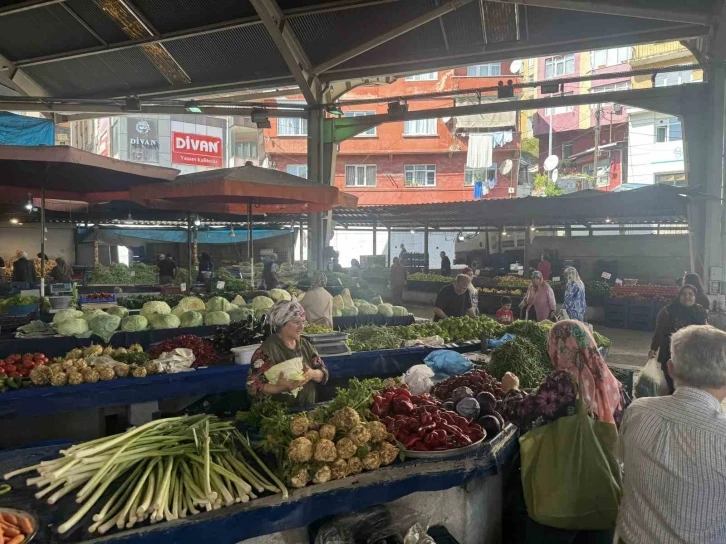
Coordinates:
389 261
426 249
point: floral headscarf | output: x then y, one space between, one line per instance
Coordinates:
285 311
572 275
573 349
318 279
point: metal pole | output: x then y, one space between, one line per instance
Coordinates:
550 144
426 249
389 247
597 144
189 250
42 240
375 245
249 244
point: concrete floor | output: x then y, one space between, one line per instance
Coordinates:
629 347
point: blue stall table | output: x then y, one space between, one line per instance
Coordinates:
428 480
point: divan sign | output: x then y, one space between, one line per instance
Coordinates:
196 149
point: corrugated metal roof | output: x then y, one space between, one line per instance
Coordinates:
172 15
110 74
42 31
500 21
463 27
233 55
96 18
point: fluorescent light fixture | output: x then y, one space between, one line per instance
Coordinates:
413 231
608 220
334 109
197 221
14 221
193 107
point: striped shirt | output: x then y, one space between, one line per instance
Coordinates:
674 451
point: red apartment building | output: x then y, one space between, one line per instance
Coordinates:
416 161
574 127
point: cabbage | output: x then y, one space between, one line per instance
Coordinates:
118 310
347 301
104 325
292 370
261 312
337 313
349 311
134 323
178 311
191 303
262 303
400 311
385 310
232 306
164 321
216 318
377 300
72 326
279 294
367 309
190 318
90 314
218 304
239 301
243 314
338 302
155 307
67 314
358 302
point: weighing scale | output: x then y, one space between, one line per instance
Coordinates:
329 343
60 290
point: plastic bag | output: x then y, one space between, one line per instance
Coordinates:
494 344
448 362
651 381
373 525
430 341
174 361
418 379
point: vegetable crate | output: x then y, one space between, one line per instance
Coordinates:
90 299
640 315
23 309
616 315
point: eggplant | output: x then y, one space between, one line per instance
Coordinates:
449 405
461 393
468 408
490 424
485 398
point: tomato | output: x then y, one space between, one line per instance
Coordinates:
10 368
14 374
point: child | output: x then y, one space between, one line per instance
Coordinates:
504 314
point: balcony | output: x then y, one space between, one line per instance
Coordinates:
654 53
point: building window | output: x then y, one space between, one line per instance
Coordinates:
245 150
610 57
421 127
484 70
360 175
559 66
480 174
299 170
560 109
567 150
673 78
292 126
676 179
668 130
611 87
428 76
422 175
370 131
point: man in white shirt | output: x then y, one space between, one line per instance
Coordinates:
674 449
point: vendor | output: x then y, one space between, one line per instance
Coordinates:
473 290
354 268
454 300
206 267
287 319
269 273
399 277
166 269
540 298
317 302
24 269
62 271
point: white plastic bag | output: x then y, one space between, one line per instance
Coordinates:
418 379
651 381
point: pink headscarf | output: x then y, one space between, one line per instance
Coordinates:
573 349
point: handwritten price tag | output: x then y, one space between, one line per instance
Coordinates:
556 278
618 281
520 272
183 287
220 285
606 275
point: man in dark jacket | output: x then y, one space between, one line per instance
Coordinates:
166 270
445 264
24 270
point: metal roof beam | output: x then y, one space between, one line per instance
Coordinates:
606 8
416 22
25 6
289 47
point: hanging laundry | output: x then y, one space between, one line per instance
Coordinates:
502 138
479 154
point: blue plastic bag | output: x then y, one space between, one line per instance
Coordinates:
449 362
494 344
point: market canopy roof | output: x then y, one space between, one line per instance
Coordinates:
139 236
114 48
243 185
657 203
69 173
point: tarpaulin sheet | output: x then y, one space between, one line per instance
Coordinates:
217 236
271 514
22 130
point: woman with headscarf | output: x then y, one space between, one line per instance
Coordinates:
287 319
574 304
680 313
539 296
695 280
577 367
317 302
472 290
62 271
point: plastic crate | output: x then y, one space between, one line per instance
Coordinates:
83 299
616 323
642 323
25 309
618 302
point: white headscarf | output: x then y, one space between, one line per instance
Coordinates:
572 275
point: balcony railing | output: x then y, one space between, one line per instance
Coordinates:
655 49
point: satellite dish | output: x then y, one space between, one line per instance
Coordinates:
555 174
551 163
445 119
515 67
506 167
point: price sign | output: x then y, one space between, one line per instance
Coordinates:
618 281
183 287
556 278
520 271
220 285
606 275
133 273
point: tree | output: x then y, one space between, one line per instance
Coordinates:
544 186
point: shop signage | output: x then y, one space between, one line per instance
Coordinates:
196 149
143 140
